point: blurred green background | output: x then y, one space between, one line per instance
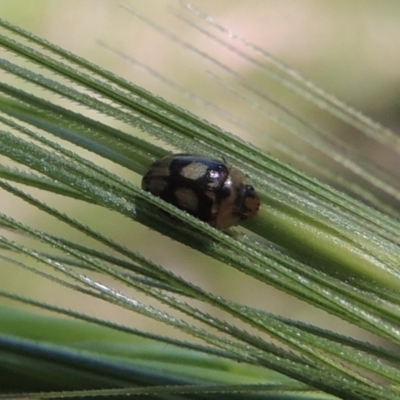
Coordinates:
351 49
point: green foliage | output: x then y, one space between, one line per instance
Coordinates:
309 240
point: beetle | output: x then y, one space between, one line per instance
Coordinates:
206 188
